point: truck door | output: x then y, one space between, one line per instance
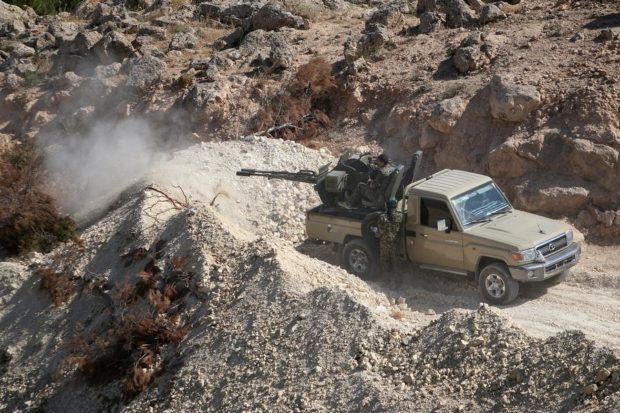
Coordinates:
427 245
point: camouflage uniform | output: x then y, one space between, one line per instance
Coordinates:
389 235
373 192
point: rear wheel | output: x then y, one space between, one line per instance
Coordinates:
496 284
360 258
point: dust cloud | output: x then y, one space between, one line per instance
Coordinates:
89 171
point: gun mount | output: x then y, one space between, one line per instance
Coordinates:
334 186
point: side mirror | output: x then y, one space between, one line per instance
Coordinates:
443 225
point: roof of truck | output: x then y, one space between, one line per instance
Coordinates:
449 183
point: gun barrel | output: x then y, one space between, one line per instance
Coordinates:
304 175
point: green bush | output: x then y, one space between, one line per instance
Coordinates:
47 6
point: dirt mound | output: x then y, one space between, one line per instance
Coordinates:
267 326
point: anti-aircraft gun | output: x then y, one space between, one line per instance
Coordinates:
334 186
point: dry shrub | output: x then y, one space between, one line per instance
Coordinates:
146 317
60 286
397 314
178 263
306 103
29 220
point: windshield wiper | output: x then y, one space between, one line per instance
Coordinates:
487 218
479 220
500 211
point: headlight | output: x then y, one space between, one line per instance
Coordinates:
569 237
525 255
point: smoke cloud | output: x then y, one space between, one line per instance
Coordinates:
89 171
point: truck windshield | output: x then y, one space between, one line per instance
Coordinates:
480 204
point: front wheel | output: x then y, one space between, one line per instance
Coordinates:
360 258
496 284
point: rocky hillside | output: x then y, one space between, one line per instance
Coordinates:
191 289
525 92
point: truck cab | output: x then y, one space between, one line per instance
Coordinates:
459 222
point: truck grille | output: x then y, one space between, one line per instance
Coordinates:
560 264
552 246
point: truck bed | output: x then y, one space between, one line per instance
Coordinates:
334 224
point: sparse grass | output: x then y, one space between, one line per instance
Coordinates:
209 35
59 285
177 4
178 28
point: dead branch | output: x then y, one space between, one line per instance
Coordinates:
177 204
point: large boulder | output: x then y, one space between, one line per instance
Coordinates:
86 8
491 13
429 22
183 40
475 51
563 200
446 114
12 28
507 161
426 6
273 17
595 162
388 16
511 102
63 31
113 47
459 14
374 37
19 50
10 13
81 44
281 54
145 71
152 31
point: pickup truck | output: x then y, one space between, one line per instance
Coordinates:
456 222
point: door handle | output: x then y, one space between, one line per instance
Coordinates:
425 235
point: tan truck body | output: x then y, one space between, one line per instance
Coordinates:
464 249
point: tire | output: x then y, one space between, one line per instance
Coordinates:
496 284
360 258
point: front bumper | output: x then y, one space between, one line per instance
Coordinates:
553 265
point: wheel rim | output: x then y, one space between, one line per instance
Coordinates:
495 285
358 261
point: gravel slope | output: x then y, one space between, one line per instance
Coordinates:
272 328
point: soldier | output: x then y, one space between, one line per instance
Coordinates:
388 231
373 192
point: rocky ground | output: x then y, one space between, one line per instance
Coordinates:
268 321
197 289
525 92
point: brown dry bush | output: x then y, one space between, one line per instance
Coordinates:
147 317
60 286
306 103
29 220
